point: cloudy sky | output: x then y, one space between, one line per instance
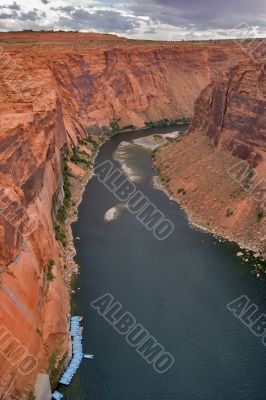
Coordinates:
148 19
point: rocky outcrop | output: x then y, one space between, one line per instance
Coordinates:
218 171
54 87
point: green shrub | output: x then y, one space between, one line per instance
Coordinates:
50 275
31 396
39 332
128 127
260 215
75 158
92 141
158 137
60 235
229 212
167 122
66 184
61 215
55 366
165 179
186 120
62 211
114 125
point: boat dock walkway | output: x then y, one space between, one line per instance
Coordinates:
77 354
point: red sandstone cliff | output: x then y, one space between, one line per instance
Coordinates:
52 88
221 163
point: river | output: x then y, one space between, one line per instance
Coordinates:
177 288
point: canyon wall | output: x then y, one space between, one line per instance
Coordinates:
53 87
218 171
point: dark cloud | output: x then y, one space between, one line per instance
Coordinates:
13 14
202 14
66 9
101 20
5 15
34 15
13 6
45 1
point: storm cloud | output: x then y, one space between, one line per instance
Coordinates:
12 7
202 14
5 15
104 20
34 15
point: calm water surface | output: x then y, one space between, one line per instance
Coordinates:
178 289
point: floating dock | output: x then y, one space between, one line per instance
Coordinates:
77 349
77 354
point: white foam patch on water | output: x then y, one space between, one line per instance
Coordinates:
154 141
113 213
149 142
120 155
172 135
157 184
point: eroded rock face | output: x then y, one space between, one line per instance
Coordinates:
52 88
221 163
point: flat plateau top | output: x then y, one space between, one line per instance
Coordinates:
76 39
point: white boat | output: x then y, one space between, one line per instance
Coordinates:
57 395
90 356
